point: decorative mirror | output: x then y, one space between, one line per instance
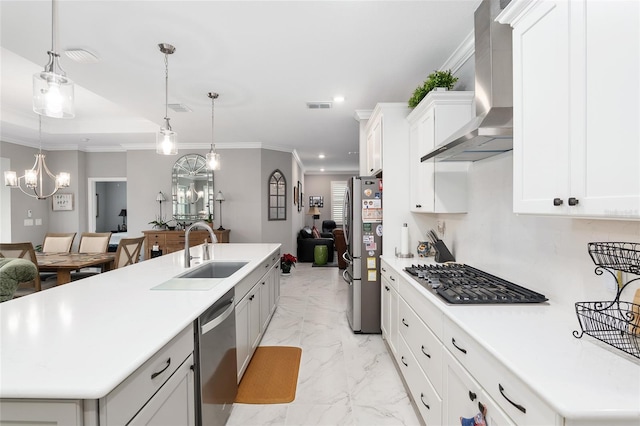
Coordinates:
192 189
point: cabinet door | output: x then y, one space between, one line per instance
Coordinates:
242 336
374 147
426 169
174 403
461 392
542 116
389 296
417 201
605 150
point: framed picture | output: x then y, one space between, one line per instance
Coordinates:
299 193
62 202
295 195
316 200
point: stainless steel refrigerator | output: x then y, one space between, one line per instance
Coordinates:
362 224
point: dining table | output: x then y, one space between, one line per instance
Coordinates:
65 263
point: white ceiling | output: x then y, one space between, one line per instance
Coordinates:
266 59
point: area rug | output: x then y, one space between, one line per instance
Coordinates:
271 377
326 265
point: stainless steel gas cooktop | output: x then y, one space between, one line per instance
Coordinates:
462 284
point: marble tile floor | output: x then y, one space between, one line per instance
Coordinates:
344 378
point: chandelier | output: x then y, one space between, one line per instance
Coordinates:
213 158
166 139
33 178
52 89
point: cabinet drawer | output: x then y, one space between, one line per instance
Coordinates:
424 395
390 274
517 400
121 404
423 344
430 314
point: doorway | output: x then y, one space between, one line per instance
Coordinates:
107 207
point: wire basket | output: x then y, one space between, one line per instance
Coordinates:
616 323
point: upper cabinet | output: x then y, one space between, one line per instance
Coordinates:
374 146
386 130
438 187
576 147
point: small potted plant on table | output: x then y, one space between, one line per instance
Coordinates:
286 262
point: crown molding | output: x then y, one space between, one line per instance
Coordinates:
461 55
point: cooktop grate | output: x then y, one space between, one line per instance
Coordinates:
463 284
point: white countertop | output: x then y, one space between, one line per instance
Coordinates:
80 340
578 378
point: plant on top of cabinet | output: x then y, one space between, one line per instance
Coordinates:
435 79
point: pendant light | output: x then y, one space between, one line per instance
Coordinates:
166 139
52 89
213 158
33 178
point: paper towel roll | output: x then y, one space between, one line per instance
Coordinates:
404 240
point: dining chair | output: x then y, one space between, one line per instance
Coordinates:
128 251
22 251
94 242
58 242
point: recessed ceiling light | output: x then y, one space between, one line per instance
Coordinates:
338 98
321 156
322 170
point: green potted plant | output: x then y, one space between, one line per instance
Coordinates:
159 224
435 79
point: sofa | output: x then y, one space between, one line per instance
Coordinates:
307 244
12 273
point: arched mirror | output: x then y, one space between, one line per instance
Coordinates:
192 189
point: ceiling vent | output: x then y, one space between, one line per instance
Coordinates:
319 105
179 108
82 56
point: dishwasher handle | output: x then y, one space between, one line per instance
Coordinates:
216 321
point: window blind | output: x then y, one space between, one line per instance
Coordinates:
338 188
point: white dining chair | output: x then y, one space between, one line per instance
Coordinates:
58 242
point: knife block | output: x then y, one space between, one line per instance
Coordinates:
442 252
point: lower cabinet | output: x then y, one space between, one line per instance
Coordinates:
389 313
41 412
255 310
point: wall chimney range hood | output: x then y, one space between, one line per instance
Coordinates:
491 132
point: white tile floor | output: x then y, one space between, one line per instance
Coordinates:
344 378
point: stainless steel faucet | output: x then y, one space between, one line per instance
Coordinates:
187 254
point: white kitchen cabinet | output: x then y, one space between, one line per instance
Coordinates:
166 378
374 146
255 309
438 187
389 307
41 412
174 403
576 146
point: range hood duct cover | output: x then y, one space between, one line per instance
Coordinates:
491 132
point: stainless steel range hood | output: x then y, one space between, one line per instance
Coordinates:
491 132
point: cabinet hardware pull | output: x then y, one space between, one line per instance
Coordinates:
383 270
453 341
392 279
557 201
422 349
262 282
518 406
573 201
422 400
402 359
405 324
418 206
251 297
154 375
386 287
472 396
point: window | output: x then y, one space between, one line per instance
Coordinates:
277 196
338 188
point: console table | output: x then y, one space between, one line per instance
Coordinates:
170 241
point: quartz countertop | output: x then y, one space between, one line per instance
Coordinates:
80 340
578 378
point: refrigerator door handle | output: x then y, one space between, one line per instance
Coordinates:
347 258
346 277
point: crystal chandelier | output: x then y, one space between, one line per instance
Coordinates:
52 89
33 178
166 138
213 158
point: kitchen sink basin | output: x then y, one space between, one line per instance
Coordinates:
214 270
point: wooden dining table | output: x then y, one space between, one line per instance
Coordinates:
64 263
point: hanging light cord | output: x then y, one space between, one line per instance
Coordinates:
166 90
213 145
53 32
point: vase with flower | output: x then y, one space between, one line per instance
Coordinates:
286 262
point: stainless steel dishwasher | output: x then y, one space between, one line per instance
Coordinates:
216 367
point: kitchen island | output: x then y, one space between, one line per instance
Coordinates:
80 341
522 362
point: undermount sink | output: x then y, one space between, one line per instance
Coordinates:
214 270
202 278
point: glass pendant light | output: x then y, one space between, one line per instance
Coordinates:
166 138
213 158
52 89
